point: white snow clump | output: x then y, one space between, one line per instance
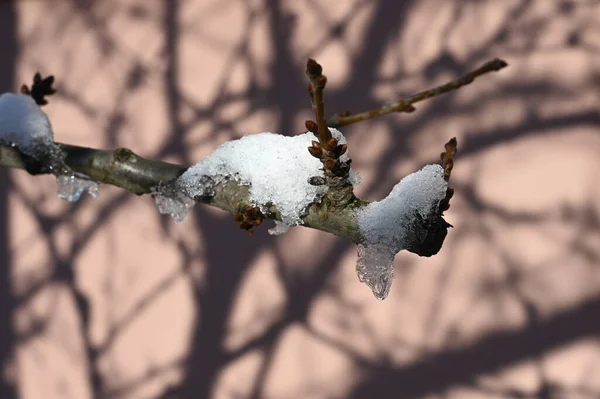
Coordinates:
388 226
277 169
23 124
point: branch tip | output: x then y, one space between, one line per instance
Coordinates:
406 105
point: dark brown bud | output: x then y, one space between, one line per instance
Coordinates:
237 217
313 67
329 164
332 143
321 81
449 192
315 151
316 144
311 126
448 165
251 211
341 149
451 146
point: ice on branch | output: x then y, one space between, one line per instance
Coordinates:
24 125
276 168
374 267
279 228
395 223
175 205
70 188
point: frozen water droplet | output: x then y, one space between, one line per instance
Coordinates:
375 268
177 206
279 228
70 188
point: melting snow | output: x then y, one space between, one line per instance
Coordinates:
388 226
277 168
23 124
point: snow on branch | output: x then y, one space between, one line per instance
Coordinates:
305 180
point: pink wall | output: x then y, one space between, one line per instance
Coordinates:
108 299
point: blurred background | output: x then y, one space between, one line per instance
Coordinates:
108 299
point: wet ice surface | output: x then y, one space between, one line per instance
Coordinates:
279 228
25 125
388 226
171 198
375 268
176 205
70 188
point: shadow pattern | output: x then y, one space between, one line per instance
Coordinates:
455 358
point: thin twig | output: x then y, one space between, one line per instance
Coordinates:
314 72
406 105
328 150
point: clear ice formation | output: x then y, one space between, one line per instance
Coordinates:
175 205
70 188
279 228
374 267
388 226
23 124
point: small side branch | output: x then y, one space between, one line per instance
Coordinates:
406 105
447 158
327 149
314 72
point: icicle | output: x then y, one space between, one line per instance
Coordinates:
70 188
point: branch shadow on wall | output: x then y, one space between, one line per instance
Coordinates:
229 253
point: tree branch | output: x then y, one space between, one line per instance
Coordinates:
406 105
314 72
336 214
125 169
